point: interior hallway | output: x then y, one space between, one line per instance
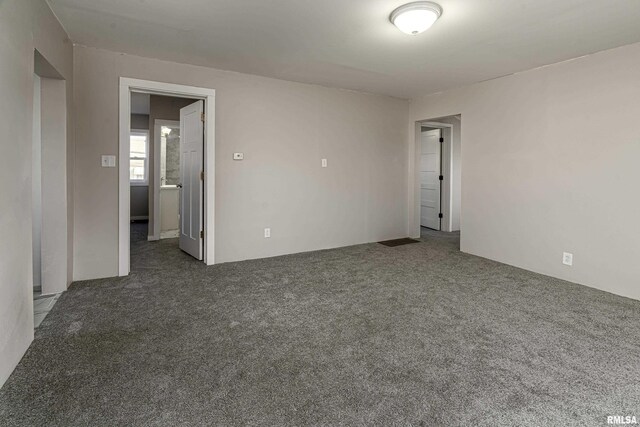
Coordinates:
419 334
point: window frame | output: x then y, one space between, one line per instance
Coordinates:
140 182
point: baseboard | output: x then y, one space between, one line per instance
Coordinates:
152 238
170 234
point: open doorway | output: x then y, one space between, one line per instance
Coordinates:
166 167
165 192
438 177
48 187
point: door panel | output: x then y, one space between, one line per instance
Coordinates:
429 179
191 167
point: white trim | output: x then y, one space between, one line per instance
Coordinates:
447 171
157 125
171 234
127 85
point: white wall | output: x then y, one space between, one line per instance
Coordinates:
24 25
54 191
284 129
550 164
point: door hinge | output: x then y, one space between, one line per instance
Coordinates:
441 139
202 117
202 234
441 178
440 215
202 176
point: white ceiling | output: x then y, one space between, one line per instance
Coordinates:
350 43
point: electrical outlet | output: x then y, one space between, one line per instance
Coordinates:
267 233
238 156
567 258
324 163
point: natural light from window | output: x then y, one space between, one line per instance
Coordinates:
138 161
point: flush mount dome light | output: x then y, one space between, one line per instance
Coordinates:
415 18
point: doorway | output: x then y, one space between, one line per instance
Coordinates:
431 178
437 176
48 187
141 161
166 202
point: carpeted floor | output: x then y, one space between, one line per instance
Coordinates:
419 335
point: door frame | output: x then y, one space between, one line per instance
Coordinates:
128 85
446 169
157 125
441 221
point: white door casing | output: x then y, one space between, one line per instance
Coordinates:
430 170
191 170
128 85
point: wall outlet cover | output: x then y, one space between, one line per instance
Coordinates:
238 156
108 161
567 258
267 233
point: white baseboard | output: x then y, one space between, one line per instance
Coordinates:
152 238
171 234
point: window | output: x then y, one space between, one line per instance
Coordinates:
139 157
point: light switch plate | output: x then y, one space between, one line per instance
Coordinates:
238 156
324 163
108 161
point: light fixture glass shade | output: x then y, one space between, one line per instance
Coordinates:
415 18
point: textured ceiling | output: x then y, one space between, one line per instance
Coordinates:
350 43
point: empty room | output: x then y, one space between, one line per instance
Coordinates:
336 213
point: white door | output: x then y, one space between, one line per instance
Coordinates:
430 179
191 183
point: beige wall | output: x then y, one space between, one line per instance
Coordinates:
140 121
550 164
54 192
139 201
284 129
139 197
24 26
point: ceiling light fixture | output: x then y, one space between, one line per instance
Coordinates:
415 18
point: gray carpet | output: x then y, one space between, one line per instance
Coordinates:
415 335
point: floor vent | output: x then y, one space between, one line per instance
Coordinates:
399 242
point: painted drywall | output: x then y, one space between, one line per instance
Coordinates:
550 164
284 130
139 199
139 196
54 193
140 121
25 25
